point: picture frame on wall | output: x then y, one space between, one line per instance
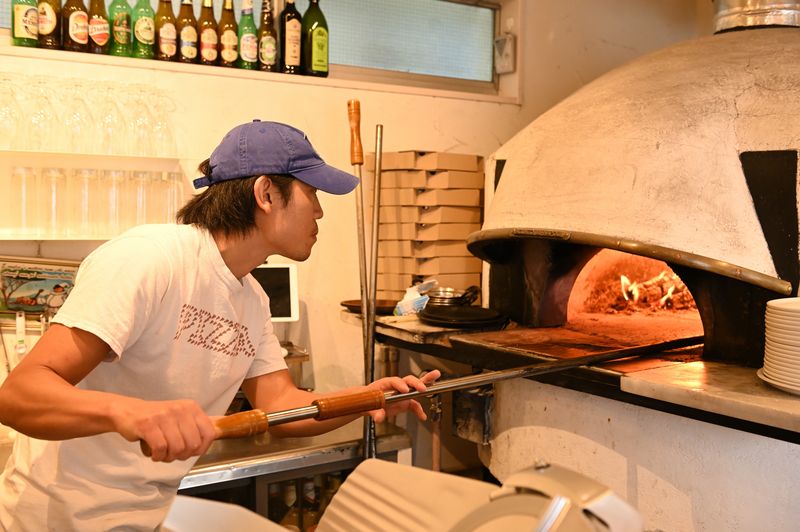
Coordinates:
34 285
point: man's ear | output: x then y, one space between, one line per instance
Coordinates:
262 189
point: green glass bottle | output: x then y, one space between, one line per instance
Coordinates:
267 40
119 13
25 23
315 41
248 40
144 29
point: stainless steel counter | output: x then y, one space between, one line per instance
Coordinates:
277 459
287 458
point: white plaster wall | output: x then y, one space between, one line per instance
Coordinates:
682 474
563 45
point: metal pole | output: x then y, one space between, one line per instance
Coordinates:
370 445
357 160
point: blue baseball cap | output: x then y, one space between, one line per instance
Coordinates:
259 148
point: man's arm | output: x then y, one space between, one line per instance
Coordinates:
275 391
39 398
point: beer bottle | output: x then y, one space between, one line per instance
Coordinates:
187 33
248 42
25 23
207 28
311 513
276 508
75 26
50 24
290 30
315 41
267 42
228 32
291 519
119 14
166 34
144 32
98 27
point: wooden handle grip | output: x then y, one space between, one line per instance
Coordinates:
354 403
354 117
242 424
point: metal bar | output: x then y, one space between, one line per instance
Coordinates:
477 241
370 445
474 381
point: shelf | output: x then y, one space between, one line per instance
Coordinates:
42 159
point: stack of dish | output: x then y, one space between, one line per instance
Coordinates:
782 345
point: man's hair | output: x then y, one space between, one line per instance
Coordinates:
229 207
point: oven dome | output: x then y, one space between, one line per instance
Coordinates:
647 157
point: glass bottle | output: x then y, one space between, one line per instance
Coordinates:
74 26
98 27
315 41
310 504
267 40
24 23
207 28
290 30
119 14
166 33
291 518
144 29
50 24
276 507
248 42
228 31
187 33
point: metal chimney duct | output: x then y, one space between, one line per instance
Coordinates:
738 14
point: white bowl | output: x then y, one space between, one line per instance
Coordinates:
784 303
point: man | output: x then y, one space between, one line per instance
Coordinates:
162 327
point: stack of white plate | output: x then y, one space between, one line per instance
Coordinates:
782 345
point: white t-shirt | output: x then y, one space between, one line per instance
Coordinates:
180 326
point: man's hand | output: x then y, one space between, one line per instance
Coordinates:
402 385
173 430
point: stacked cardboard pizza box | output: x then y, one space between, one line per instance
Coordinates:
429 203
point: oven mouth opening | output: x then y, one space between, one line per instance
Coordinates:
639 297
533 272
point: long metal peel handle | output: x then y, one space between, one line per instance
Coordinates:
354 116
354 403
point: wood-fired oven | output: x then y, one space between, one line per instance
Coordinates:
687 156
